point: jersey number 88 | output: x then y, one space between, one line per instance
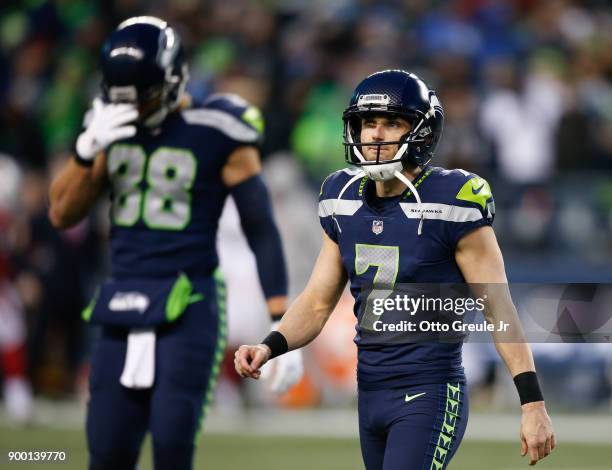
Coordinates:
165 203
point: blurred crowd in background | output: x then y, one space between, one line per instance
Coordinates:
527 90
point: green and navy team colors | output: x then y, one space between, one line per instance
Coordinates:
412 428
166 195
188 353
380 244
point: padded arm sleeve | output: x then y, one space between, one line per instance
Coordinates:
257 220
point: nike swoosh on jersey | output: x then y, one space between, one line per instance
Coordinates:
412 397
476 191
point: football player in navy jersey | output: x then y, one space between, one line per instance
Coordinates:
169 169
397 219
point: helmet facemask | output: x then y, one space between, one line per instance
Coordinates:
154 102
408 144
158 101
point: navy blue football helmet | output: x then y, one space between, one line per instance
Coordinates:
142 62
396 93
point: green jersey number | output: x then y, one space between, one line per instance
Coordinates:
166 202
386 260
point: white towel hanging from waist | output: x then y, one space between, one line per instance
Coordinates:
139 367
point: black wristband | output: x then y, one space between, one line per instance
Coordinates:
528 387
83 162
277 344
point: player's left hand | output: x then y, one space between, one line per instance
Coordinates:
284 371
537 433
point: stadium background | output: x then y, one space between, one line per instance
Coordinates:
527 91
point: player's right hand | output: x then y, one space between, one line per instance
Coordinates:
248 359
108 123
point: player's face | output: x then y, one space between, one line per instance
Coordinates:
381 128
150 104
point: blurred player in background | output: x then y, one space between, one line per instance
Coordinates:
17 392
379 229
169 168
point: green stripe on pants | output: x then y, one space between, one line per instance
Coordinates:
445 438
219 350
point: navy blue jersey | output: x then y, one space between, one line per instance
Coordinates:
379 244
166 188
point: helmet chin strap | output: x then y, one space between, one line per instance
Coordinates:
357 176
384 171
400 176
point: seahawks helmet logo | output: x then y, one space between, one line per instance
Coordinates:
424 132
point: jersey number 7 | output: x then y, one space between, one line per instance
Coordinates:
386 260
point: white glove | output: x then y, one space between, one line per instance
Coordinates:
283 371
107 125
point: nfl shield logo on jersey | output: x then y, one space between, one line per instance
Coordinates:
377 227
